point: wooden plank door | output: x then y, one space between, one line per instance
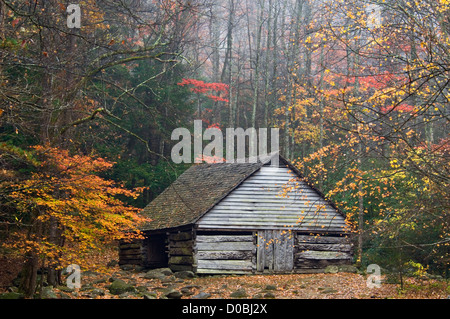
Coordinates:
275 251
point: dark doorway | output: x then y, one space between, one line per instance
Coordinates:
156 249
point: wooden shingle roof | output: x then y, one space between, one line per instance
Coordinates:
195 192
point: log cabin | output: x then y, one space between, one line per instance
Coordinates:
246 218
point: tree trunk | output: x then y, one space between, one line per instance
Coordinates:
53 275
266 69
261 5
227 71
29 275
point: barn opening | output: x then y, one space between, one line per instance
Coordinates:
155 246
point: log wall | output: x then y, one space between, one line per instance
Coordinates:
181 251
132 253
225 254
315 253
263 251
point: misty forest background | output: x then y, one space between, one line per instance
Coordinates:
359 90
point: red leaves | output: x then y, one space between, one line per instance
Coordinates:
201 87
399 108
214 125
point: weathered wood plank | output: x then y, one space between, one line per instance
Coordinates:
127 254
204 271
272 183
132 258
255 226
226 246
221 238
274 220
322 239
283 224
124 246
289 251
274 200
325 247
278 194
285 210
317 255
181 260
269 188
180 236
225 264
181 251
224 255
319 263
260 252
179 244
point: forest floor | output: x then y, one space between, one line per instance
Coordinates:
296 286
137 285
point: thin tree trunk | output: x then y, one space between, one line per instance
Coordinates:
360 207
321 114
261 5
227 72
266 69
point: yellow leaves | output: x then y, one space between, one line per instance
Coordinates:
67 191
394 163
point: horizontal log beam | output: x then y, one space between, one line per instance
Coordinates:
130 254
225 264
325 255
180 236
129 246
324 247
181 260
220 239
322 239
224 255
226 246
204 271
178 244
181 251
319 264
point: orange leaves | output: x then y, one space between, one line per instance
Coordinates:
66 191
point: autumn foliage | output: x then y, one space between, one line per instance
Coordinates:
201 87
66 209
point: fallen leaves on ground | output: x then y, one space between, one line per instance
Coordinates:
295 286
